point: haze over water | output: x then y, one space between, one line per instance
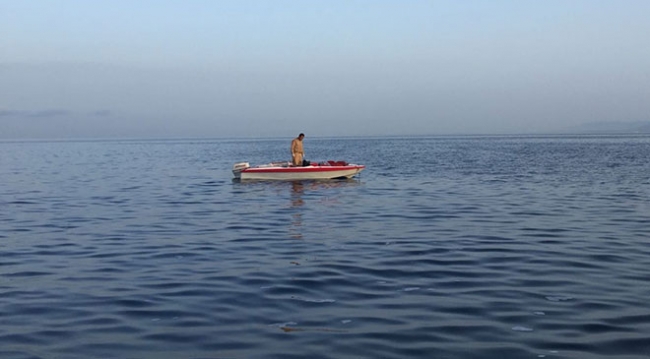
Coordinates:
257 68
445 247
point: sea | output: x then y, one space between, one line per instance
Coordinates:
444 247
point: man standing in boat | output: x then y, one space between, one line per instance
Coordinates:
297 153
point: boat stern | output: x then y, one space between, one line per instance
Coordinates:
239 167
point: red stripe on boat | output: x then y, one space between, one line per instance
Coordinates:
302 169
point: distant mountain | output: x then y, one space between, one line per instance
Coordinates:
612 127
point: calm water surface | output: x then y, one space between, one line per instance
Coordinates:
448 247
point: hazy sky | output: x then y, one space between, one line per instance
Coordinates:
137 68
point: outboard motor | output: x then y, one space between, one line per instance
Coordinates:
238 167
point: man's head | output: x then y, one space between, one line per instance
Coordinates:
301 136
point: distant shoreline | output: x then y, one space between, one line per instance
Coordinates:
245 139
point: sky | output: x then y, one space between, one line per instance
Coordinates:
275 68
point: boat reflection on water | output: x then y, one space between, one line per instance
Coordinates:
297 191
299 185
300 194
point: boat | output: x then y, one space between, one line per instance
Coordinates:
287 171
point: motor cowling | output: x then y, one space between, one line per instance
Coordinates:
238 167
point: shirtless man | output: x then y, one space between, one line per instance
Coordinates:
297 153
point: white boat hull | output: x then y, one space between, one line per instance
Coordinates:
291 173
